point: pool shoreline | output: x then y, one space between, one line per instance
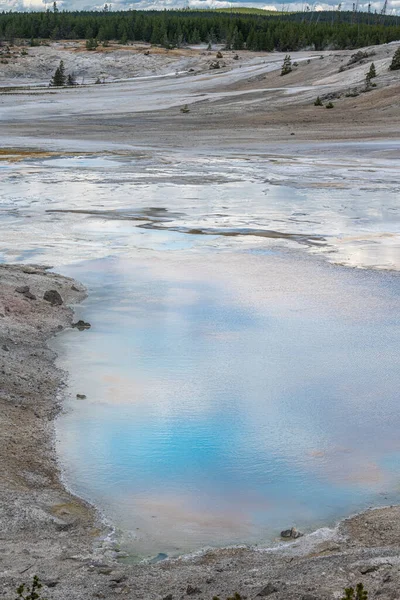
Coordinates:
48 531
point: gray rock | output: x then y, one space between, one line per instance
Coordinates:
5 348
81 396
53 297
22 289
267 590
118 576
50 583
291 533
190 590
81 325
168 597
30 296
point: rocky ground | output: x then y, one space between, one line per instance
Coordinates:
44 530
244 103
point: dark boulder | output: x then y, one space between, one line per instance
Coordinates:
267 590
81 325
53 297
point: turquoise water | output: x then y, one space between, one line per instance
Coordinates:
237 383
217 415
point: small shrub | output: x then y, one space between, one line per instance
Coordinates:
318 102
91 44
32 592
287 65
352 94
330 105
185 109
355 594
359 57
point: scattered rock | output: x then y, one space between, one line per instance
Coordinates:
146 52
104 570
74 288
267 590
81 325
364 569
215 65
190 590
118 576
236 57
50 583
168 597
5 348
22 289
53 297
81 396
30 296
219 55
292 533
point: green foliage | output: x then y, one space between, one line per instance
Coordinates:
287 65
32 592
395 64
355 594
59 77
185 109
318 102
91 44
330 105
359 57
372 72
253 29
370 75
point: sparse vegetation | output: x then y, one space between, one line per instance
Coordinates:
30 592
330 105
59 78
359 593
395 64
287 65
185 109
359 56
318 102
369 76
91 44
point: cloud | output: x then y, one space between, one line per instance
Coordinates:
283 5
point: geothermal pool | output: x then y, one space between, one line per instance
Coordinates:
238 378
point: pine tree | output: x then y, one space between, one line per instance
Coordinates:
71 79
59 77
372 71
318 102
395 64
287 65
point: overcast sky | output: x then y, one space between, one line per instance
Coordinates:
393 5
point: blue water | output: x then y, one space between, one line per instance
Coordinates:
211 419
235 384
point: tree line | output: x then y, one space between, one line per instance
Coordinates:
287 32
